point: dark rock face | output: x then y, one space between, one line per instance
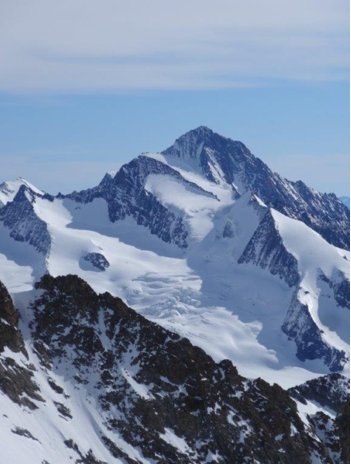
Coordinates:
299 326
342 427
126 195
323 426
164 396
15 380
341 289
147 210
334 434
24 225
215 156
331 390
97 260
204 147
17 383
266 249
9 334
323 212
88 458
228 231
154 387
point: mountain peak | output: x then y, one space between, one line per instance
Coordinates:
191 144
9 189
21 181
201 131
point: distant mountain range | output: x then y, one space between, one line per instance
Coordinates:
207 244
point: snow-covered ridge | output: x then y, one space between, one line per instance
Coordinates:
201 238
206 242
9 189
220 159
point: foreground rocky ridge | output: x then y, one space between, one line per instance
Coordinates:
150 389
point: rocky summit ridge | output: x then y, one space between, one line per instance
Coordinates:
218 156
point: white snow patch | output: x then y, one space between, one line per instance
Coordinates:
169 436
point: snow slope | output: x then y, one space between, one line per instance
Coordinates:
244 269
207 242
199 293
315 257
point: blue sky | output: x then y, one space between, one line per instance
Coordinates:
86 86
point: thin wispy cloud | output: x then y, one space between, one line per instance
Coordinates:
114 45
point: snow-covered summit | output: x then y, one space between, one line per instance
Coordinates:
9 189
184 233
207 242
